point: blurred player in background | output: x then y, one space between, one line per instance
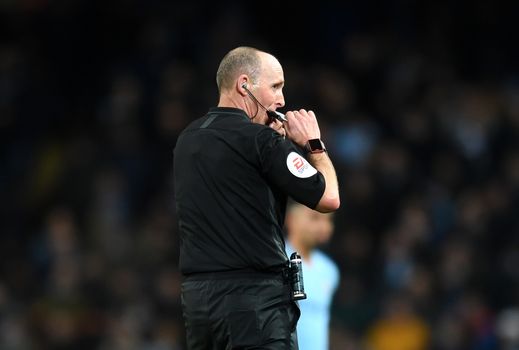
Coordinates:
307 229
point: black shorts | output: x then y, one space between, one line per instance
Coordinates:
237 311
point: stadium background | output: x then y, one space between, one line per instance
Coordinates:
419 107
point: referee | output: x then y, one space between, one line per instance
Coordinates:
234 169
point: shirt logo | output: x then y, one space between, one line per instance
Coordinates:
299 166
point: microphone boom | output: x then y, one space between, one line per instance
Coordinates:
271 114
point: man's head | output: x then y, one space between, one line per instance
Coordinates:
308 227
261 73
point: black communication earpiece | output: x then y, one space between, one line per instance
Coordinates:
271 114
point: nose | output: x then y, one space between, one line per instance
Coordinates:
280 100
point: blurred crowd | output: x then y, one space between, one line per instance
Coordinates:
418 106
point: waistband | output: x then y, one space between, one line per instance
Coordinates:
281 275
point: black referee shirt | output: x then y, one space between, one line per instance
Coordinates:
232 178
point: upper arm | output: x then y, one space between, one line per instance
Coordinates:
284 166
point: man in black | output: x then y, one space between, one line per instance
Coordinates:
233 170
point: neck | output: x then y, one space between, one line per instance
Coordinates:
251 109
234 102
301 248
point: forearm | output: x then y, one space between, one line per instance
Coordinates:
302 128
330 201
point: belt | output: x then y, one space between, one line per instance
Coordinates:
247 273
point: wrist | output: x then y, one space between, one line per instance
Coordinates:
316 158
314 146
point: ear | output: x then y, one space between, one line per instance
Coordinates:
242 83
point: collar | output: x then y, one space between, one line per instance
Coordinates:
229 111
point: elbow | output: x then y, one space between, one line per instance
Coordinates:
334 203
328 204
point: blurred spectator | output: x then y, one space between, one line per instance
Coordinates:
398 328
419 106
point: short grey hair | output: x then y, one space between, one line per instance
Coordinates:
241 60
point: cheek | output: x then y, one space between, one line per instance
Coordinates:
313 229
269 97
324 228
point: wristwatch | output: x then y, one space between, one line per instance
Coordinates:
315 146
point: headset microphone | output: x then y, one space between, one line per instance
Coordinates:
271 114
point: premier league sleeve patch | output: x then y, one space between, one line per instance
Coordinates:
299 166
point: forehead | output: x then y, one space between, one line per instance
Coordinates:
270 67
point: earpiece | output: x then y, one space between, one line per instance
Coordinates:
271 114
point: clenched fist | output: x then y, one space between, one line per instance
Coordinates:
302 126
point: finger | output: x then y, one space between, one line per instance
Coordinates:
278 127
312 114
274 126
298 115
291 116
278 124
301 114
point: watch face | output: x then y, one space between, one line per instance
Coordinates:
315 144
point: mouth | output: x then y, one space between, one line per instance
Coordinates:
277 115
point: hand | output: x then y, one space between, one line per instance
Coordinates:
279 127
302 126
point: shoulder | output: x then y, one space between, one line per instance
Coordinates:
185 138
195 124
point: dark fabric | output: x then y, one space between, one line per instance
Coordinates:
239 314
231 186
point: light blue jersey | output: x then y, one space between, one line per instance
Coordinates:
321 279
